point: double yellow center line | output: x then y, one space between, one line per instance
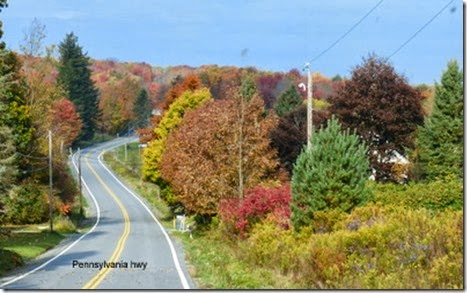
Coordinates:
99 277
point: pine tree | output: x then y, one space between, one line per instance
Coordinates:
288 101
75 76
441 139
142 109
330 175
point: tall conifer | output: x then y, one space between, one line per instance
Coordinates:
441 139
75 76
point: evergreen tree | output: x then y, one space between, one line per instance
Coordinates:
330 175
75 76
441 139
142 109
248 88
288 101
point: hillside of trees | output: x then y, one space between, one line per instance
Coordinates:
374 201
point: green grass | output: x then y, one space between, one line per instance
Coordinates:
21 245
216 263
30 244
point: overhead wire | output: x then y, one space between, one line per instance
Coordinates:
347 32
420 29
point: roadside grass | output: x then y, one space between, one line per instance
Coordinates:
213 261
216 263
22 243
129 169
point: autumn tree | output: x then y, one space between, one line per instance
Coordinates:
288 101
220 149
152 155
383 108
75 76
441 139
64 122
290 134
116 103
332 174
267 88
179 86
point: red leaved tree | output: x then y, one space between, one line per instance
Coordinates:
219 150
383 108
64 122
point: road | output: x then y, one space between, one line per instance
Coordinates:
126 248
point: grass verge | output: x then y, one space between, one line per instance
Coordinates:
128 168
213 262
17 246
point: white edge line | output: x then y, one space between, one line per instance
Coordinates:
172 248
98 212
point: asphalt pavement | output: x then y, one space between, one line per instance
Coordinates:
125 248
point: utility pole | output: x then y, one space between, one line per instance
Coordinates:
126 151
50 184
80 184
309 115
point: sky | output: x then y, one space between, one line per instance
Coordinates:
274 35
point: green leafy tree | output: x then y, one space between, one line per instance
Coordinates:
152 155
3 4
75 76
441 139
142 109
332 174
16 112
288 101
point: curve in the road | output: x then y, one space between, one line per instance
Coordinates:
98 216
101 275
178 267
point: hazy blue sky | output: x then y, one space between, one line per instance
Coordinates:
268 34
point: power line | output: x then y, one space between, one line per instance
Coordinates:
348 31
31 157
419 30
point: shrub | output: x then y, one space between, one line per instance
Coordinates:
239 215
26 204
332 174
63 224
367 249
435 195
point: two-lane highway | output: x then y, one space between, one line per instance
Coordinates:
126 248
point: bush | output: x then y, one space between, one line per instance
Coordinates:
239 215
367 249
63 224
27 204
332 174
435 195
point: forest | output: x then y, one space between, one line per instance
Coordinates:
374 200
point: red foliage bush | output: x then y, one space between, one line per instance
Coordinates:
259 203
